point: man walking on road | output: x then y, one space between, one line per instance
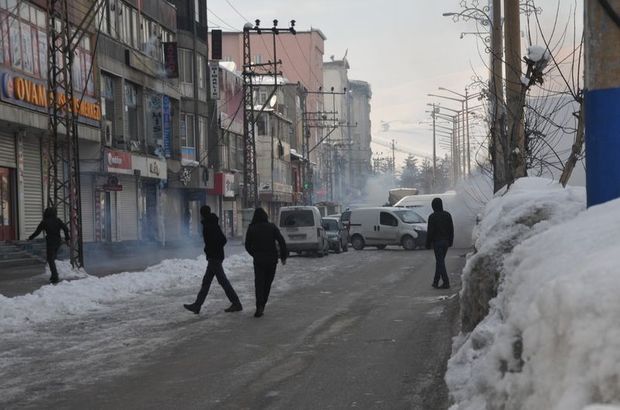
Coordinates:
214 240
52 226
440 236
260 242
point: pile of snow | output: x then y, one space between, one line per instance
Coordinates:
538 53
66 271
92 294
551 339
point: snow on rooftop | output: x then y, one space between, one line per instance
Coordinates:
551 339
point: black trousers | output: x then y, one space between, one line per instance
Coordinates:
52 253
215 269
441 249
264 272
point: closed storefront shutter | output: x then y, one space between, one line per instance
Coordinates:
33 188
127 209
7 151
87 200
173 215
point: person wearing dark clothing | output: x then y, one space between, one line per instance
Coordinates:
52 226
260 242
440 236
214 240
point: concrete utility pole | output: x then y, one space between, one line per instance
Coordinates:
433 114
602 100
516 133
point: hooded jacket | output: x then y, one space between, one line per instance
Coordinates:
261 238
440 226
213 237
52 226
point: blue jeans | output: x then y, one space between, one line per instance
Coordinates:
441 249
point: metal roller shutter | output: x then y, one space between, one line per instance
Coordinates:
127 205
7 151
88 213
33 189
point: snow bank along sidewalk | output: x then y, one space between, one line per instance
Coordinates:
540 304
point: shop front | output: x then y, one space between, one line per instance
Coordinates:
152 176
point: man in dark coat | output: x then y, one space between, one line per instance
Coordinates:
440 236
52 226
214 240
260 242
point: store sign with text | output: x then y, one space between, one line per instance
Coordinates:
118 162
29 93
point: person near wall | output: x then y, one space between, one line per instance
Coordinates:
260 242
214 240
440 236
52 225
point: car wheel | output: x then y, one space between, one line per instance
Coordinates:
408 243
357 242
381 247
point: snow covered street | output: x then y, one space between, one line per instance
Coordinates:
82 334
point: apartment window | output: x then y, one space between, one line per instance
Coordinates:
187 131
129 25
197 11
202 71
202 135
258 59
131 108
186 71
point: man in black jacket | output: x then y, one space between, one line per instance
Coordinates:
260 242
440 236
52 226
214 240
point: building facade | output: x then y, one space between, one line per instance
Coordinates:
24 163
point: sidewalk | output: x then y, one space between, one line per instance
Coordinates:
107 261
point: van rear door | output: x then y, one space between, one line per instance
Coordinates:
298 225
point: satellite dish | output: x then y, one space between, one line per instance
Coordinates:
273 100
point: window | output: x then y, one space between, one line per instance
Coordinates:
409 217
201 68
296 219
258 59
197 11
131 108
187 131
387 219
186 71
202 136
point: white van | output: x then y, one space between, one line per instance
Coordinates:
302 229
382 226
421 204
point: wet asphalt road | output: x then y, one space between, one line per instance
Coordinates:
368 333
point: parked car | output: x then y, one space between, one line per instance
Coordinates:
302 229
337 234
383 226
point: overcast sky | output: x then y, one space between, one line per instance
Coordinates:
404 48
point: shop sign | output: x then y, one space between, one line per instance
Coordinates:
214 80
33 94
118 162
171 59
224 185
112 185
166 111
150 167
188 153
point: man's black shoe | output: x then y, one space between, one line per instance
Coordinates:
234 308
444 286
54 281
192 308
259 312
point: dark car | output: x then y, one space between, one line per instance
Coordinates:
337 234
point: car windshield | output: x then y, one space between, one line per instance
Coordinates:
409 217
330 224
296 218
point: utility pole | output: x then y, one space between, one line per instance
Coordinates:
602 99
516 133
250 177
468 171
433 114
393 157
63 153
499 144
